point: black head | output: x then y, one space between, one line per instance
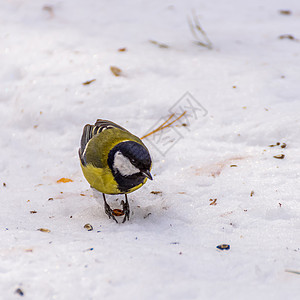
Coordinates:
130 163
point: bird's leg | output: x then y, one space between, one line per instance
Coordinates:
126 209
108 210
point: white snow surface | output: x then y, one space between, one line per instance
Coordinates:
249 83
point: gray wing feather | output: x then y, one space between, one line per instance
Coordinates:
89 131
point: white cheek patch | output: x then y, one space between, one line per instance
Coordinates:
123 165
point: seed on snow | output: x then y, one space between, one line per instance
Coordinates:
44 230
88 227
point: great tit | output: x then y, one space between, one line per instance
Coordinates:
113 161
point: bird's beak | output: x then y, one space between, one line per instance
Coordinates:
147 174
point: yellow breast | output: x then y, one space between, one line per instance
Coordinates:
103 180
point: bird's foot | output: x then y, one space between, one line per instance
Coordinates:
109 211
126 210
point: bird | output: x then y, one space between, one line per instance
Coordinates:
113 161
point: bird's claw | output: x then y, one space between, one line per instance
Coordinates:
126 210
109 212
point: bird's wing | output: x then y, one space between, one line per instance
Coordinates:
89 131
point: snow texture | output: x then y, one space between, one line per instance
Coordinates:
246 89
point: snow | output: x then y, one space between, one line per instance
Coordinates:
249 85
